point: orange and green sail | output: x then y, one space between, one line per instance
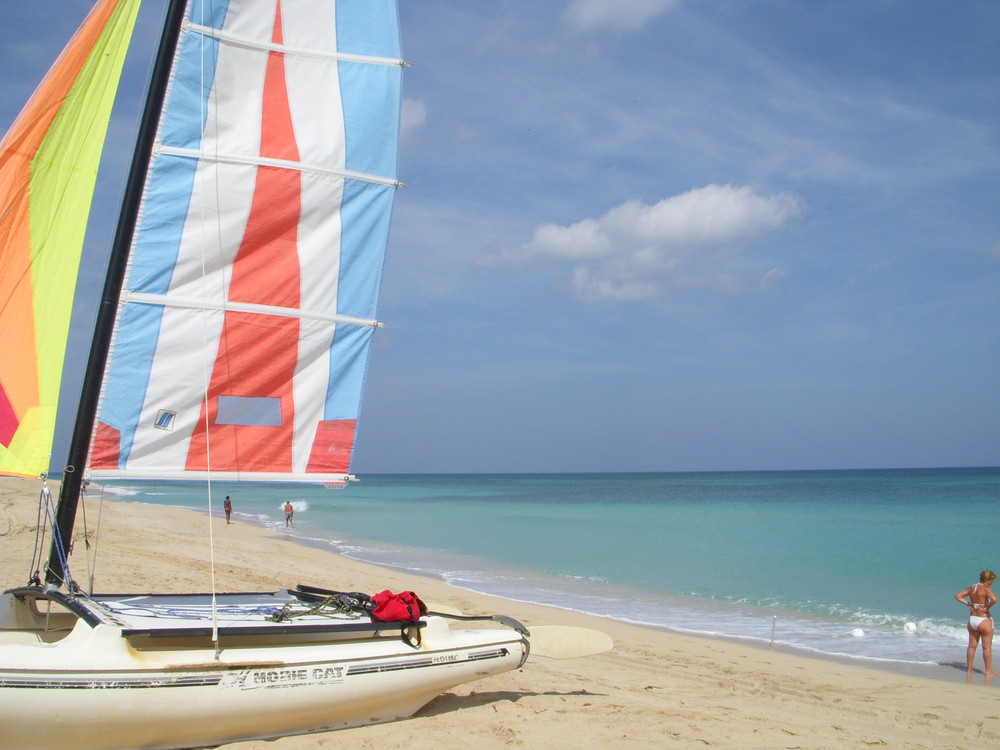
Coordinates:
48 170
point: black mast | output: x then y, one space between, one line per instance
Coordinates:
69 494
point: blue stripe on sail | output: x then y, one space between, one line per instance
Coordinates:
348 360
164 211
371 116
370 95
208 12
371 27
365 212
183 118
128 374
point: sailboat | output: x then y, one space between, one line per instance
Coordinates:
231 343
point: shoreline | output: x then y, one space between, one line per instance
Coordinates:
570 542
950 671
655 685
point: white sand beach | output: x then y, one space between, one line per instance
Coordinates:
654 689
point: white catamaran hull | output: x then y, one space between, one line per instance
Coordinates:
95 688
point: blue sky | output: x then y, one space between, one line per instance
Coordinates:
670 235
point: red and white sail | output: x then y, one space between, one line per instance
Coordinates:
249 303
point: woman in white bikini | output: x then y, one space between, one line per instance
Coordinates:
980 626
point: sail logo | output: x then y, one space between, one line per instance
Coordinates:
165 420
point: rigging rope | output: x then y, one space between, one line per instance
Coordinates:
189 612
206 349
92 548
34 570
335 604
47 518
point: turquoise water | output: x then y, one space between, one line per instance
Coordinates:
812 559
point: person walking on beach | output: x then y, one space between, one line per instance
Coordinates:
289 512
980 626
228 505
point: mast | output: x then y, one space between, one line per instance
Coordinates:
69 494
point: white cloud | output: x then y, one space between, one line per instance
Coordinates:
618 15
630 251
590 285
413 116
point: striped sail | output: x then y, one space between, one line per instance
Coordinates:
48 168
248 308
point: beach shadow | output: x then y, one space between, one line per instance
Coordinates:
960 665
976 672
450 702
955 665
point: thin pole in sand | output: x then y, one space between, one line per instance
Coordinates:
774 621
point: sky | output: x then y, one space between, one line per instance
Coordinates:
671 235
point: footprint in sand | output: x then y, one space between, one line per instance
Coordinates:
8 521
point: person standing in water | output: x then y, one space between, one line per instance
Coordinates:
979 598
228 506
289 512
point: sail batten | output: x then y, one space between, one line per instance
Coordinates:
211 304
244 159
159 473
285 49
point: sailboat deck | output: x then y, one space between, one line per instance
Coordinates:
233 614
222 615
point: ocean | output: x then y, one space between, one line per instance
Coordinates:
854 564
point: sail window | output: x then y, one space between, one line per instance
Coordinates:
249 410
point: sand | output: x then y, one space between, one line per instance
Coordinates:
655 688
